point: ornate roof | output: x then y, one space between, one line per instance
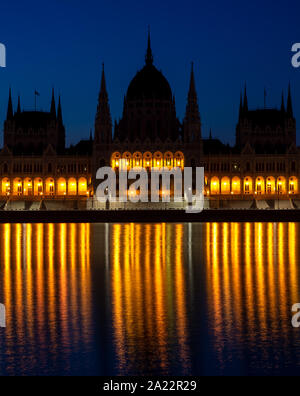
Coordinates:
149 83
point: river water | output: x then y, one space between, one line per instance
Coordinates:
133 299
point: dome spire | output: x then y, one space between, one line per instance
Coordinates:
149 55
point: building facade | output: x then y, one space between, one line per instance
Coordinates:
264 162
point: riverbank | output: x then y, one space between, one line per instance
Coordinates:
147 216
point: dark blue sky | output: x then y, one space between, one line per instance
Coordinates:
63 43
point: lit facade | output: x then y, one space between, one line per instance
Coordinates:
264 163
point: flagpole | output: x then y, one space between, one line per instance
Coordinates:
35 100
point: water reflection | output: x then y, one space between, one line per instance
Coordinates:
148 282
45 286
149 298
253 281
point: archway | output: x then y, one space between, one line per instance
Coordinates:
17 186
72 186
49 188
179 160
215 186
147 159
38 186
270 185
82 186
225 185
168 160
137 159
158 160
115 160
127 158
293 185
281 185
248 185
61 186
5 186
260 185
28 187
236 185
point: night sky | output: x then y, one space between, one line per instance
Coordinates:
63 44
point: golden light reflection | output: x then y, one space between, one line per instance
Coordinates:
261 287
148 281
40 264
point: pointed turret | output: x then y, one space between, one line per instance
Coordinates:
149 55
19 105
103 123
10 111
192 122
245 107
241 107
289 108
210 134
53 110
59 111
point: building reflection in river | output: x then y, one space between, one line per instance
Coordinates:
45 285
149 298
252 281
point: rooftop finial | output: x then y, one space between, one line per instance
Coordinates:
149 55
103 81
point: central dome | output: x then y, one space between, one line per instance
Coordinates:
149 83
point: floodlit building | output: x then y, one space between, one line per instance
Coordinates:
264 162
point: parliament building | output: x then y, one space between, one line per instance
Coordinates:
35 162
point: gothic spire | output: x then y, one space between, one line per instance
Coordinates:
241 106
103 123
192 122
149 55
103 81
192 109
19 105
245 107
59 111
289 108
53 110
10 111
192 91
